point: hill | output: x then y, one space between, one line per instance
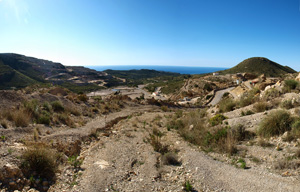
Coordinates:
258 66
9 77
18 71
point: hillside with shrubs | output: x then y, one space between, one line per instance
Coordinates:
129 139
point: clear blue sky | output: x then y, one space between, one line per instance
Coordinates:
213 33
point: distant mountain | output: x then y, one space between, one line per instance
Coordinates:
258 66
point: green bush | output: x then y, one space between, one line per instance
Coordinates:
44 119
47 107
276 123
32 107
217 119
57 106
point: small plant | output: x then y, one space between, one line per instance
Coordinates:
9 150
187 186
3 138
75 162
171 159
157 145
241 163
157 132
217 119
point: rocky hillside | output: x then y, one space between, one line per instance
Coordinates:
258 66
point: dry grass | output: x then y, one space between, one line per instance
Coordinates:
260 106
21 118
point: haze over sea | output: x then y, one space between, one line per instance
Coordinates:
176 69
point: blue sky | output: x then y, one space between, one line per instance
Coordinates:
211 33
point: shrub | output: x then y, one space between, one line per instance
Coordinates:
157 132
57 106
290 84
47 107
157 145
65 119
276 123
271 93
21 118
238 132
287 104
32 107
217 119
294 134
226 105
260 106
170 159
39 161
164 108
83 97
44 119
249 112
175 124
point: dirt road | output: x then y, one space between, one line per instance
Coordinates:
218 96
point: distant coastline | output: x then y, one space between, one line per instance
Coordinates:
175 69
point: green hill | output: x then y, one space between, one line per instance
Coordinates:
258 66
12 78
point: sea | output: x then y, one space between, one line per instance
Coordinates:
175 69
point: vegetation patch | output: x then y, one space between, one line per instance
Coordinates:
217 119
276 123
39 161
